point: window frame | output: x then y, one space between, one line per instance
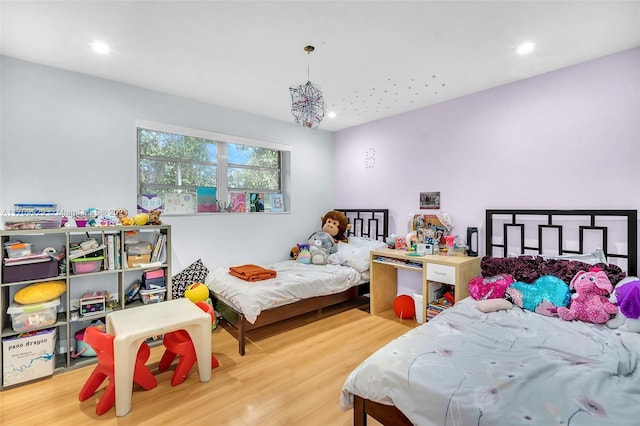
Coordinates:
222 141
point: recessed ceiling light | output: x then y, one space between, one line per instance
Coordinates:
331 114
526 48
100 47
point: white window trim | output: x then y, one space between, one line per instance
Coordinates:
205 134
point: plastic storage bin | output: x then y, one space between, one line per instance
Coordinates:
18 249
86 265
419 302
31 317
153 296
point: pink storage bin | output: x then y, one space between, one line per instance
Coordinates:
86 265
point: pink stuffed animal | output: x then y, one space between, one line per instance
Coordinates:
590 303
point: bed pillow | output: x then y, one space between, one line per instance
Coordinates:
355 253
351 255
529 268
367 243
194 273
492 305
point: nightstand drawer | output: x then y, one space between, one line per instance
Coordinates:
441 273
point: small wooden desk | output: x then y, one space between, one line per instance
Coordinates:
435 269
133 325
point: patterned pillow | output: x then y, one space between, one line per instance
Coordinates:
194 273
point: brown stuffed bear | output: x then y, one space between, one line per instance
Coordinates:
154 217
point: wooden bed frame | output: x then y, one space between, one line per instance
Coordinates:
367 223
389 415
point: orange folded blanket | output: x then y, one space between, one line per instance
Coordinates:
252 272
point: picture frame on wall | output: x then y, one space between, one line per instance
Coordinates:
430 200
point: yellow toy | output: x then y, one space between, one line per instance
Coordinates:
197 292
141 219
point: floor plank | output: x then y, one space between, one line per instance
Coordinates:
292 374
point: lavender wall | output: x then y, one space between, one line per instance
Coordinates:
566 139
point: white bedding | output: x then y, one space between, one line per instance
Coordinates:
295 281
349 266
512 367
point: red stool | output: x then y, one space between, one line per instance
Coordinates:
179 344
102 344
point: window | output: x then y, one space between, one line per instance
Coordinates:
175 160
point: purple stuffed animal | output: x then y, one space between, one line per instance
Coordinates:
590 303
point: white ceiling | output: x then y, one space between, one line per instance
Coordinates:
372 59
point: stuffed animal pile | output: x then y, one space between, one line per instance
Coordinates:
322 243
589 297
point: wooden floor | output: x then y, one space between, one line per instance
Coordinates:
292 374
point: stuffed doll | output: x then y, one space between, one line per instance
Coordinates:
321 245
545 296
590 303
626 295
304 256
481 288
336 224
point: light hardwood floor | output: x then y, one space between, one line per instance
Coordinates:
292 374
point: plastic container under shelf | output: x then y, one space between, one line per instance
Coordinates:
419 302
153 296
31 317
86 265
18 249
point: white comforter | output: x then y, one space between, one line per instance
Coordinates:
295 281
510 367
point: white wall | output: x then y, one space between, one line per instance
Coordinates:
70 139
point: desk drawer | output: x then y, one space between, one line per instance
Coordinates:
441 273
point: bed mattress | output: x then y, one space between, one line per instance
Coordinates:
509 367
295 281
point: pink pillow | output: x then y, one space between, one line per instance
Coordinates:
491 287
491 305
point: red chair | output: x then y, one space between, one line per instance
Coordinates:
102 344
178 344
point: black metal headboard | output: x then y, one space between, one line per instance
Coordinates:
605 223
368 223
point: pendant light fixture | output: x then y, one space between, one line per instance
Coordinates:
307 104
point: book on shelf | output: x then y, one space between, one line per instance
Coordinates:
238 201
206 199
158 247
277 203
256 201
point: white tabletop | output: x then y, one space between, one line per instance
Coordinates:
132 326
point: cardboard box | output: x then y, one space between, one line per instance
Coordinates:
28 356
136 260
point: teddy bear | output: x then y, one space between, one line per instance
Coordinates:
626 295
589 303
154 217
123 217
321 245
